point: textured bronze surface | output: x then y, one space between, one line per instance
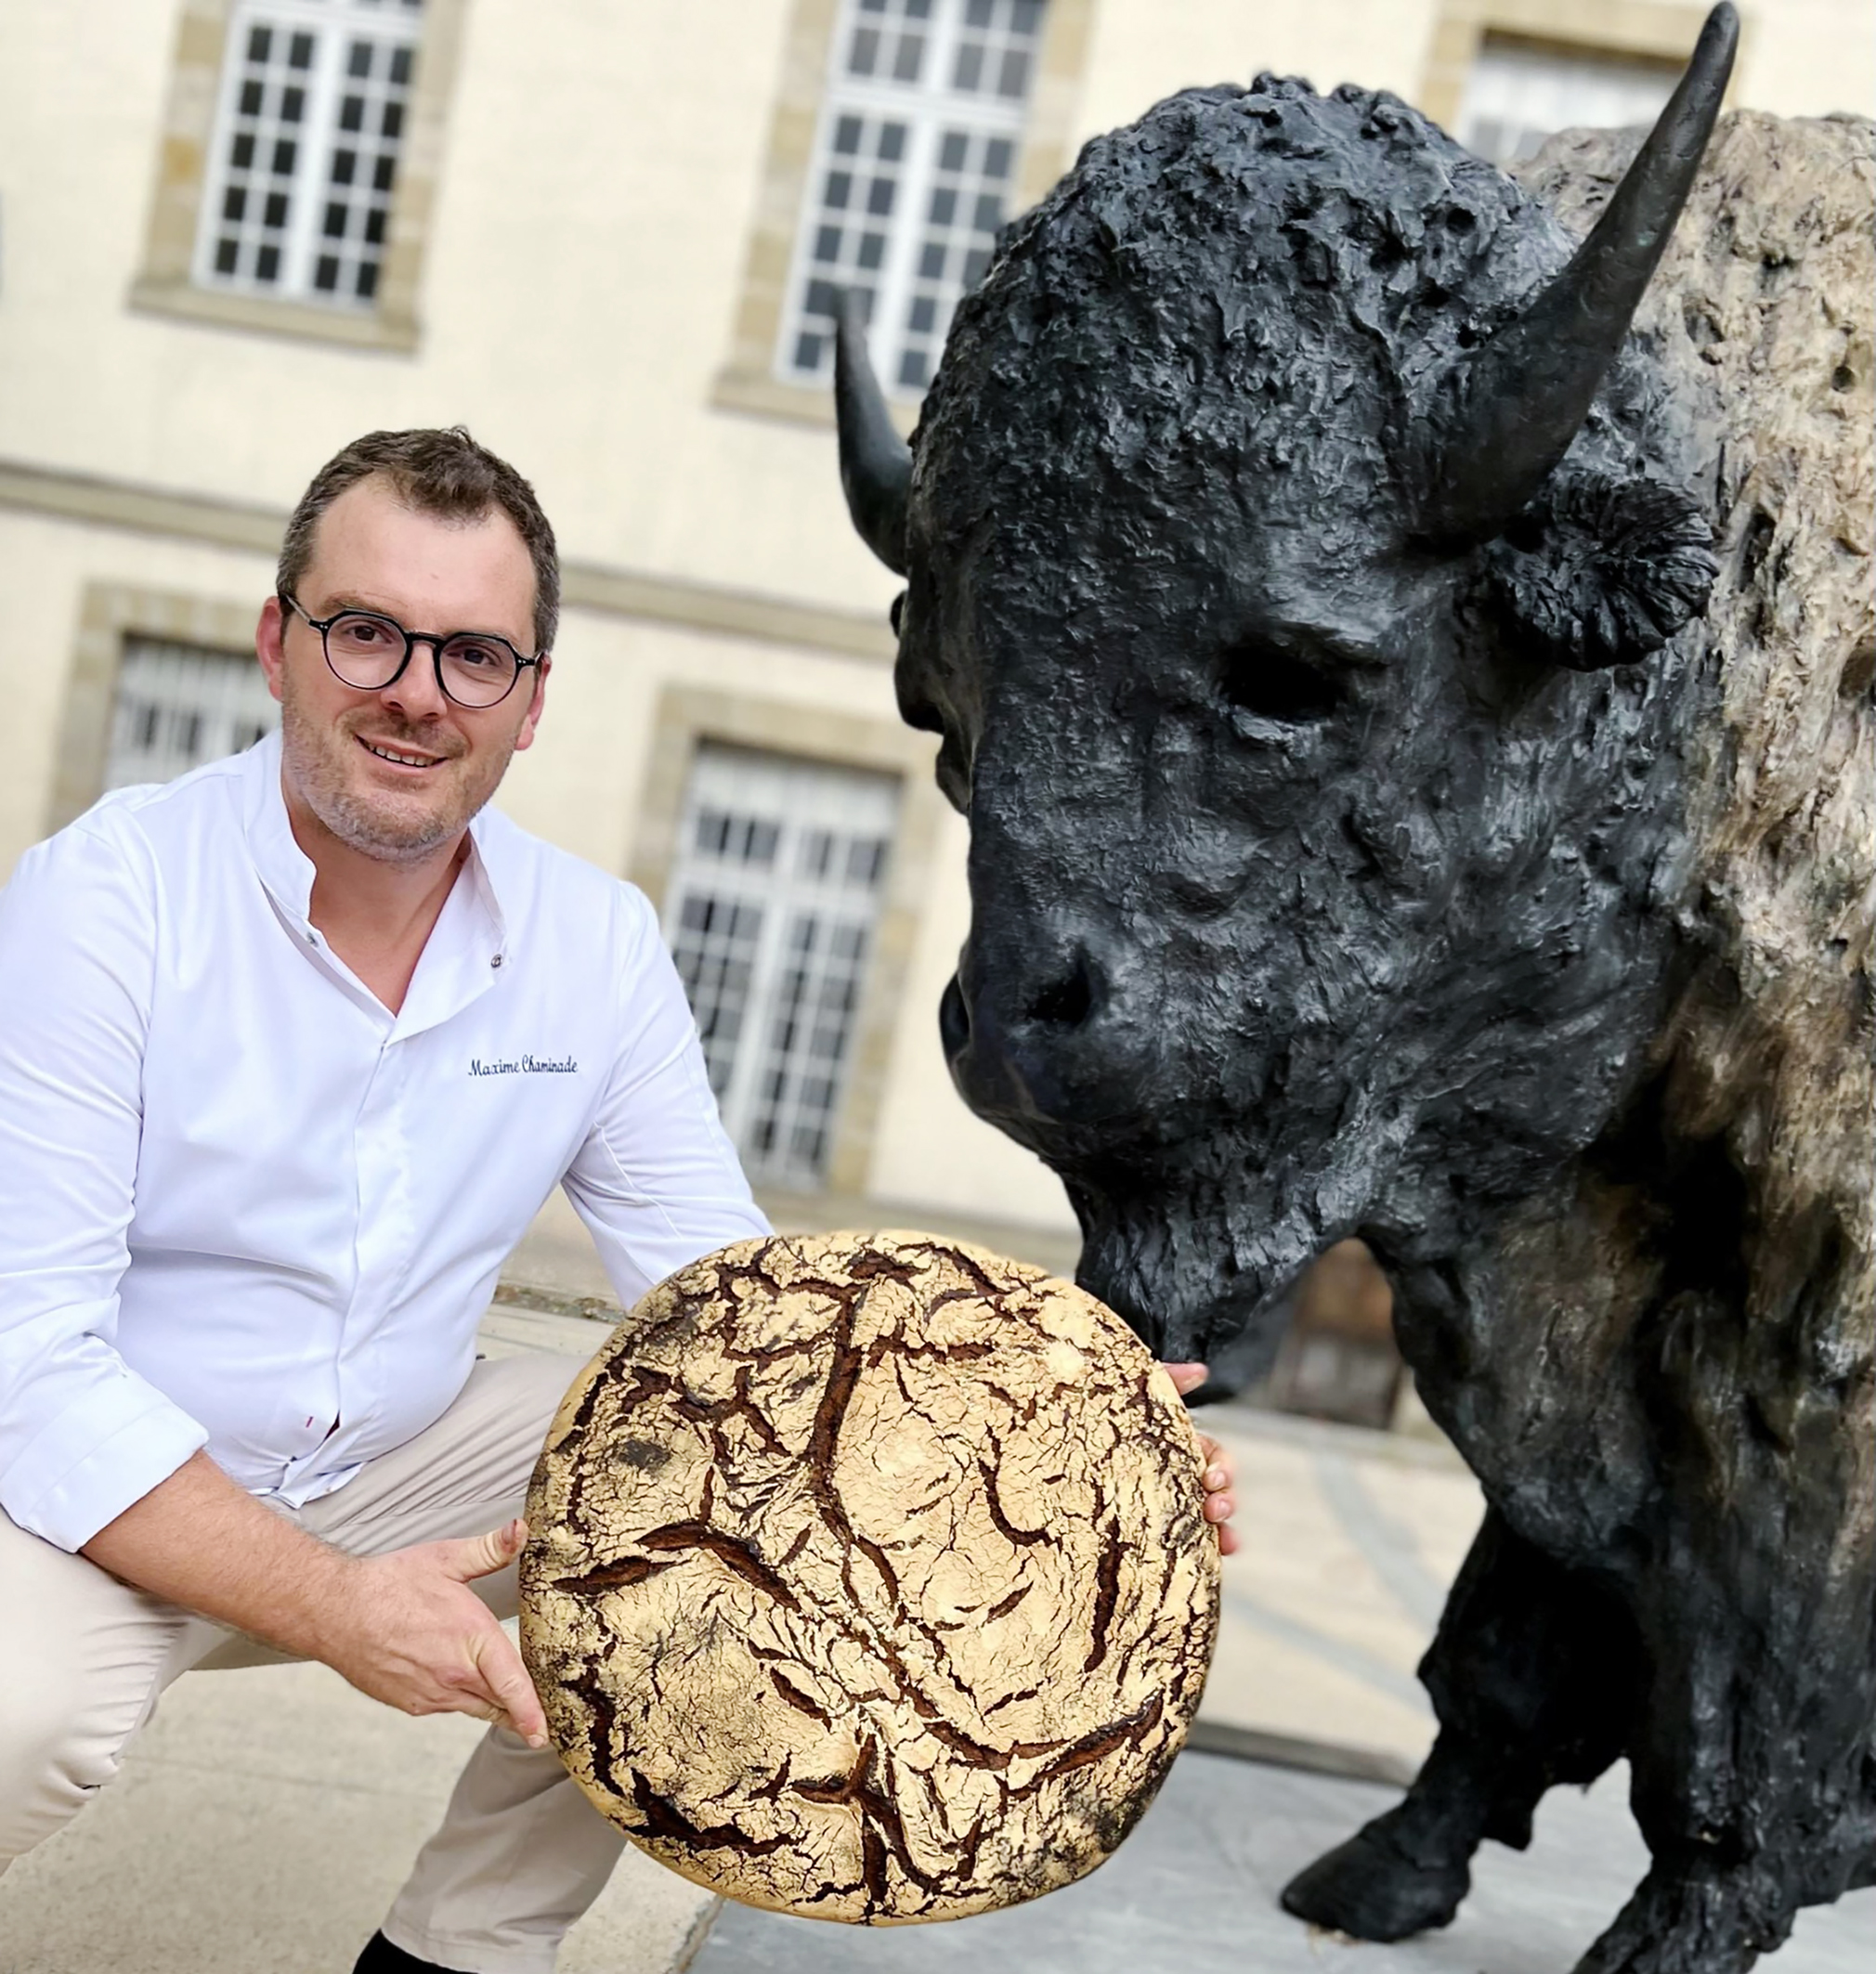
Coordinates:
1408 677
868 1577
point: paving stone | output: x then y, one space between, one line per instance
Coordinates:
263 1824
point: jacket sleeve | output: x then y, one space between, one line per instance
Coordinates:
656 1180
82 1437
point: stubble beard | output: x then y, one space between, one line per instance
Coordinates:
319 753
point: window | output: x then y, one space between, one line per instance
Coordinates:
1519 93
774 903
180 704
314 98
913 164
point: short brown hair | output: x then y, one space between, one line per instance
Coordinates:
437 472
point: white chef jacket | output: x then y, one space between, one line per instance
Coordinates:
243 1205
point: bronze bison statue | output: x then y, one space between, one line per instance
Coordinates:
1409 687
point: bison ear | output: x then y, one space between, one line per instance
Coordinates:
1599 572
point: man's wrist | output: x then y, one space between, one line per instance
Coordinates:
309 1618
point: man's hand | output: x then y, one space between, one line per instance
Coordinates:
404 1628
408 1630
1220 1504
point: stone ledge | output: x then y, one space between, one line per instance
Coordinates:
268 316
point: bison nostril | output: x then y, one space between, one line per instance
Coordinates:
1067 1002
953 1020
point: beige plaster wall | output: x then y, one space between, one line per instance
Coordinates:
578 291
1799 57
1808 57
579 284
586 256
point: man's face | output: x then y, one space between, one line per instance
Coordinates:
372 552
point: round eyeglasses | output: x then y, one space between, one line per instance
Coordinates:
475 668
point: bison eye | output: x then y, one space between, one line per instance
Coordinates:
1268 684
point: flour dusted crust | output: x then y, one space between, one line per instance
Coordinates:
868 1579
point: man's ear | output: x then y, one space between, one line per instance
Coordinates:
1598 571
268 633
536 701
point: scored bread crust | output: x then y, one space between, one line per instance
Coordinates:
867 1577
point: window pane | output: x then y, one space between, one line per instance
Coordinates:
1518 94
774 959
847 240
179 706
966 209
943 136
291 209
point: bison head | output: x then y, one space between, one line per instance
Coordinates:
1281 534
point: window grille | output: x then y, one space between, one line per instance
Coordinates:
180 704
1518 94
315 94
773 907
913 163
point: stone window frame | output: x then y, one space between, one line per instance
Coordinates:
1654 29
689 715
108 613
165 282
746 381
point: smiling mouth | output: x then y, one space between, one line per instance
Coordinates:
401 757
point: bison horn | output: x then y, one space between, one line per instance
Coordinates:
1505 417
875 463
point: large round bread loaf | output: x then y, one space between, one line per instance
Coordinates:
868 1577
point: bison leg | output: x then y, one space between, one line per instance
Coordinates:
1753 1762
1533 1675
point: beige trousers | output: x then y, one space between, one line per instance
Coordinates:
83 1659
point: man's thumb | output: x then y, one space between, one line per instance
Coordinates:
479 1555
1186 1377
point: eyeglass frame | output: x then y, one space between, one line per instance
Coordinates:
434 639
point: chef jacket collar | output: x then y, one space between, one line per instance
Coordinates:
287 871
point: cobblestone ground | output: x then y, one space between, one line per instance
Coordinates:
1193 1891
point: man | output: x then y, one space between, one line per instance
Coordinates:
291 1050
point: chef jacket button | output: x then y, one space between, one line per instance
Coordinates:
496 961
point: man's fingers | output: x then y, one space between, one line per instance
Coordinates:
506 1679
475 1556
1186 1377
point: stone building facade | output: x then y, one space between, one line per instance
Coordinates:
236 233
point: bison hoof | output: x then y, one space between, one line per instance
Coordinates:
1370 1889
1692 1922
